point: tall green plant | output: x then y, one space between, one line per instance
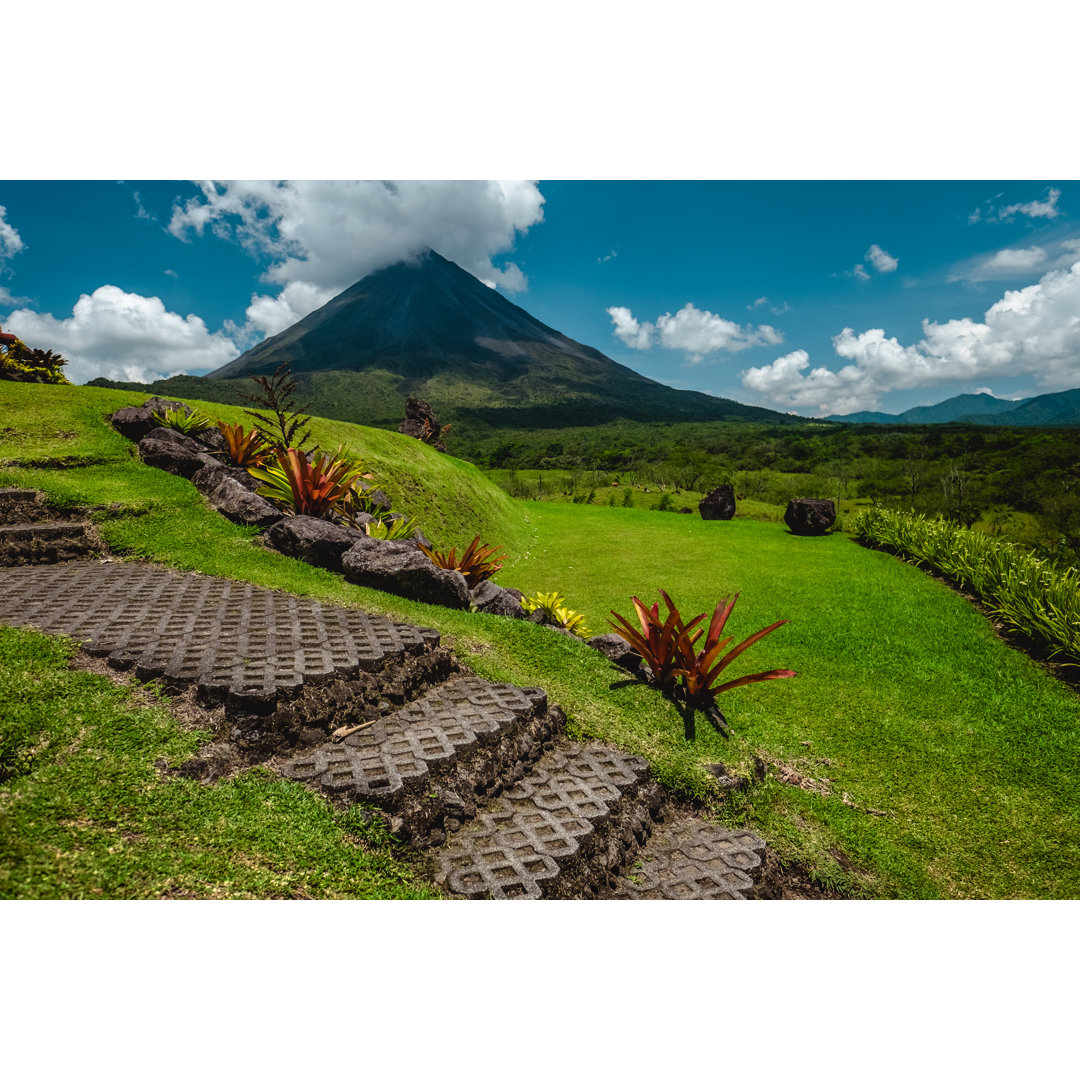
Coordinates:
286 425
316 489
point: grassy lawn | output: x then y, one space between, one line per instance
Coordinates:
906 704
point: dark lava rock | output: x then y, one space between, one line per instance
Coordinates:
312 540
212 437
174 452
492 599
232 500
616 650
421 424
399 567
138 420
211 474
810 517
719 504
685 510
376 496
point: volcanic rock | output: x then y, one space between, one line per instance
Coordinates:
719 504
810 517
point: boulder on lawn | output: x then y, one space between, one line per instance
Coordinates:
138 420
810 517
215 470
232 500
312 540
399 567
616 650
492 599
165 448
719 504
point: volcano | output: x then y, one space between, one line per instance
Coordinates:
429 329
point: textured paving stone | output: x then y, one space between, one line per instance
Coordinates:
693 861
519 848
377 763
242 644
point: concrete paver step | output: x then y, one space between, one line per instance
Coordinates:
693 860
242 644
561 832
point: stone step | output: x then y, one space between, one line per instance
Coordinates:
33 542
243 646
563 832
690 859
431 763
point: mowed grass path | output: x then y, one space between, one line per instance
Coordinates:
966 747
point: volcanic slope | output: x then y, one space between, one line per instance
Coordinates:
430 329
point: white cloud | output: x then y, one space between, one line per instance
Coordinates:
1033 331
692 331
883 262
860 272
608 258
8 300
1015 262
629 331
125 336
1010 259
10 241
320 237
1048 208
757 303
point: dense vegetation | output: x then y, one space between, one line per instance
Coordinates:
914 755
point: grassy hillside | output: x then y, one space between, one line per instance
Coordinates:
914 756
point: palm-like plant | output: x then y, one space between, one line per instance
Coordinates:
658 642
316 488
187 423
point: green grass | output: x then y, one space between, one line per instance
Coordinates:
964 745
94 817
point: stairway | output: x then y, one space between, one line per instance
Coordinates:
30 532
479 776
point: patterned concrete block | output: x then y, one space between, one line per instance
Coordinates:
242 644
693 860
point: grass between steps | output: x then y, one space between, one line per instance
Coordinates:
905 704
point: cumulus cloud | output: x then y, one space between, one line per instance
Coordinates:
1047 208
692 331
883 262
629 331
122 335
1033 331
319 237
10 241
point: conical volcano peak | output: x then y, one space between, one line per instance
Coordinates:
427 328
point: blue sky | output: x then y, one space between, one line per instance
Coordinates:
814 297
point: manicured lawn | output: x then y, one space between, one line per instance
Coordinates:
905 704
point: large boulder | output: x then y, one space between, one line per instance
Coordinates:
232 500
719 504
399 567
810 517
215 470
492 599
138 420
174 452
312 540
421 424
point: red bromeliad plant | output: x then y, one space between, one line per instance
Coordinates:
317 488
700 670
476 563
247 449
658 642
669 648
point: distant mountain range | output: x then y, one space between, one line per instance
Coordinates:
1047 410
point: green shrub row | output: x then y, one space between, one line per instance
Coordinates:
1028 594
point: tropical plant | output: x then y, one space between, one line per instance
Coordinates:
553 605
700 670
476 563
669 648
391 528
658 642
247 449
186 422
288 425
20 363
317 489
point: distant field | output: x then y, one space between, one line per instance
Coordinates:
935 761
